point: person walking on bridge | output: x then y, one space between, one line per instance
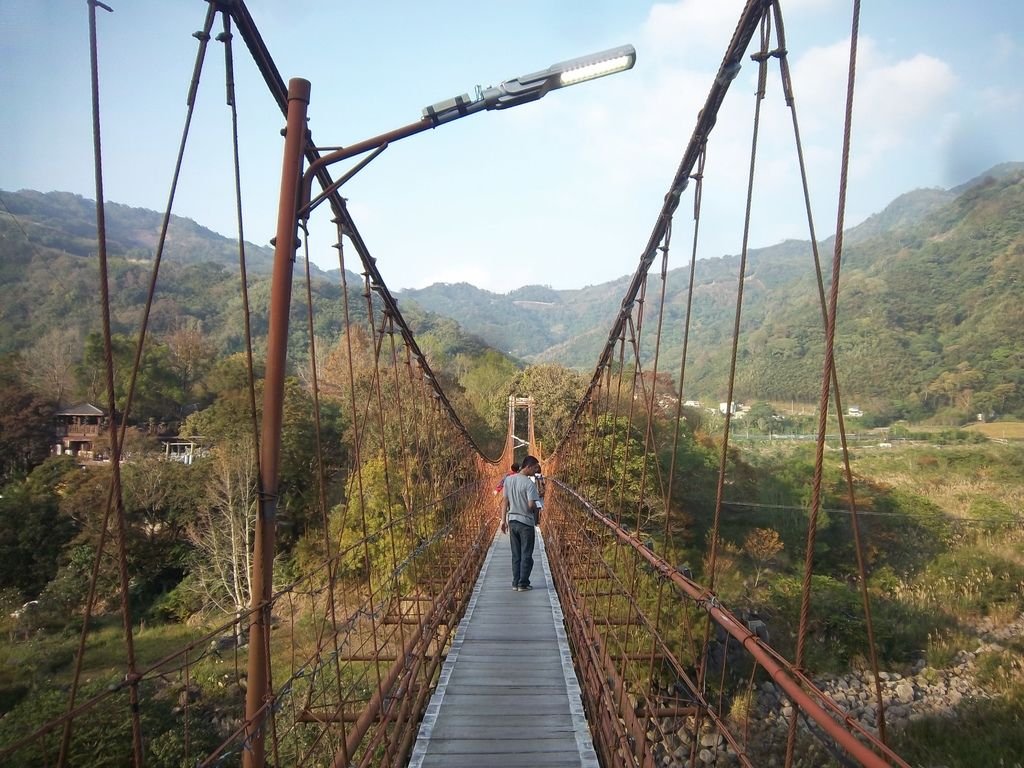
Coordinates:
519 517
501 483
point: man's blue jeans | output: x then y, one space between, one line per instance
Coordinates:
521 535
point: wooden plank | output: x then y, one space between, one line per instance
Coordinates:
502 760
507 695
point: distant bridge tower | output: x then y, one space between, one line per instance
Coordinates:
514 405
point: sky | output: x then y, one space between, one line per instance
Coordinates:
562 192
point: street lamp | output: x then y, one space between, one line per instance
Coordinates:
510 93
295 204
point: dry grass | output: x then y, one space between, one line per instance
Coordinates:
1000 430
919 472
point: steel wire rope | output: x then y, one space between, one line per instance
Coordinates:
287 688
787 86
410 530
348 368
594 381
382 425
601 437
408 494
362 496
613 529
590 391
828 375
114 496
229 76
225 38
117 440
712 568
362 611
608 458
659 603
748 23
697 201
268 711
330 563
635 336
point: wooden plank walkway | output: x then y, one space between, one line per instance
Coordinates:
508 695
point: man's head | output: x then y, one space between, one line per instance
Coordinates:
530 466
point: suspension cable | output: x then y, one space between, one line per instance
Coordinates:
787 86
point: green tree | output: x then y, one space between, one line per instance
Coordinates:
26 426
621 473
158 395
762 416
556 392
32 531
227 422
161 499
485 381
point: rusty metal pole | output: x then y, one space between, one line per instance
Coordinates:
257 697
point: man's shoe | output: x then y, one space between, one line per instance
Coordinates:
526 588
515 587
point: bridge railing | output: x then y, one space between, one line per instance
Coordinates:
669 673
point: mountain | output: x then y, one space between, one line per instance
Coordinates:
929 313
929 306
48 276
67 222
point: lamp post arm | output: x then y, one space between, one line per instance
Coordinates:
510 93
356 149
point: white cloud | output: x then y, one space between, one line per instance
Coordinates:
999 99
697 22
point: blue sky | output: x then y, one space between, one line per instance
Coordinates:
562 192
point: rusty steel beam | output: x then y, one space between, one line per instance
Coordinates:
258 689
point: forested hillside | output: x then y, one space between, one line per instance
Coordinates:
929 303
50 311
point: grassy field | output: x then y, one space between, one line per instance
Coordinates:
1000 430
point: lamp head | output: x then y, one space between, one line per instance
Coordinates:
527 88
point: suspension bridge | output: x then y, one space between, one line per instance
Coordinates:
399 642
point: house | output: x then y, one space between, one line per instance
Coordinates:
854 412
77 429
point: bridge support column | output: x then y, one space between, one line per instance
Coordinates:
258 701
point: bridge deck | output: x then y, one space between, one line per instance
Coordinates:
508 695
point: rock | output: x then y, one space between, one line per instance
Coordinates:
904 692
711 740
896 712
